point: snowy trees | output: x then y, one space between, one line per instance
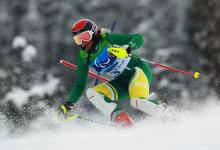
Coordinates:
204 31
186 30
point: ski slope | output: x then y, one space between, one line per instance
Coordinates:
196 129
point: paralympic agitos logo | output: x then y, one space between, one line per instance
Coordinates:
105 65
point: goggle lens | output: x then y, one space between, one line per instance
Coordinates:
84 36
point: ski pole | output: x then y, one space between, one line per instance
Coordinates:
74 67
122 53
194 74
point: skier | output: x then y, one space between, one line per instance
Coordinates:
132 76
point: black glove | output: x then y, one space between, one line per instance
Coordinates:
128 50
66 107
127 47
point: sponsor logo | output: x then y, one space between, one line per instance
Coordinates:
140 84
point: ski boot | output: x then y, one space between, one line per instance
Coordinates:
122 118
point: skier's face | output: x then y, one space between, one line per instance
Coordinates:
88 45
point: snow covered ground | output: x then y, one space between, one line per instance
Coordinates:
193 130
20 96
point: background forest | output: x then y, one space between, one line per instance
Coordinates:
36 34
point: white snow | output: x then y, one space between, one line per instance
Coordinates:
4 126
45 88
29 53
20 96
3 73
163 54
193 130
163 83
19 42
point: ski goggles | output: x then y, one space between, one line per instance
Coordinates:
84 36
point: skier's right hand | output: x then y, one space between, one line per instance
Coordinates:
67 107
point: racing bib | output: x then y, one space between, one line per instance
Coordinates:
108 63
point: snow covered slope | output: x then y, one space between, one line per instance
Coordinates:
193 130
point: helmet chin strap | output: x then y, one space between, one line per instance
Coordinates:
89 47
88 50
96 38
94 41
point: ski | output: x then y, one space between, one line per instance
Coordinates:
71 117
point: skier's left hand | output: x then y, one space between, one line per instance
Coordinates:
66 107
127 47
